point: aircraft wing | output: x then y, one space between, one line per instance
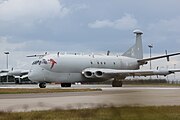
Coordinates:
35 56
18 72
14 72
158 57
113 73
4 71
3 74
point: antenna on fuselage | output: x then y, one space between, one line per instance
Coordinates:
58 54
108 53
167 56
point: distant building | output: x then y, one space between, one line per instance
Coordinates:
14 80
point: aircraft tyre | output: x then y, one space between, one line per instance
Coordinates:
42 85
116 83
65 84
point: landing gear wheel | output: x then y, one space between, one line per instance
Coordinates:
65 84
42 85
116 83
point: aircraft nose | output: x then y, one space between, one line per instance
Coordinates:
31 75
36 76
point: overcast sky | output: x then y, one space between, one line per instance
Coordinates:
36 26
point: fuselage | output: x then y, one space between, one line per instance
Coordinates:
68 68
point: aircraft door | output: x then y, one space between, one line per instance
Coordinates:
68 76
43 74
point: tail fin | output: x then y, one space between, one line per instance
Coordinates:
136 51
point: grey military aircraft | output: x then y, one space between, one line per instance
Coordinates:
70 68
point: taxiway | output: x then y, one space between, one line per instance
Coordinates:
125 96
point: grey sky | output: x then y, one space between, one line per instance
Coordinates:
28 26
94 25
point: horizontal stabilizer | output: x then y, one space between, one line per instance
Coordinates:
158 57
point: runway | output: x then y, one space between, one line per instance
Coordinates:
125 96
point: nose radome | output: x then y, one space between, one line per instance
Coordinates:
30 75
33 76
36 74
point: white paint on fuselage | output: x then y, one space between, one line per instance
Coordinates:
68 68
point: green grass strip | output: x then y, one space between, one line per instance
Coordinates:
40 90
111 113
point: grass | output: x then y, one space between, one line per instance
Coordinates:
40 90
154 84
111 113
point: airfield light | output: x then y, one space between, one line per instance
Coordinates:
150 47
174 73
7 53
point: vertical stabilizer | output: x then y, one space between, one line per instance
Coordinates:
136 51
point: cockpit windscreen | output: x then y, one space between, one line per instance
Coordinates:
39 62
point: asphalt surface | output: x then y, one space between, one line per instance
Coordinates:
125 96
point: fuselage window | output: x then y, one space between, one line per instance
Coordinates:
91 62
101 63
104 63
114 63
97 62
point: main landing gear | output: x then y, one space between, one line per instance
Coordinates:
65 84
43 85
117 83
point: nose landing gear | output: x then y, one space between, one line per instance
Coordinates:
42 85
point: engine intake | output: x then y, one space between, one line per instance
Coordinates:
99 74
88 74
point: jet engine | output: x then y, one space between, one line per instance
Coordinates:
88 74
99 74
93 73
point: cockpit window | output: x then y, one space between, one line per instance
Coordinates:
39 62
35 62
44 61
